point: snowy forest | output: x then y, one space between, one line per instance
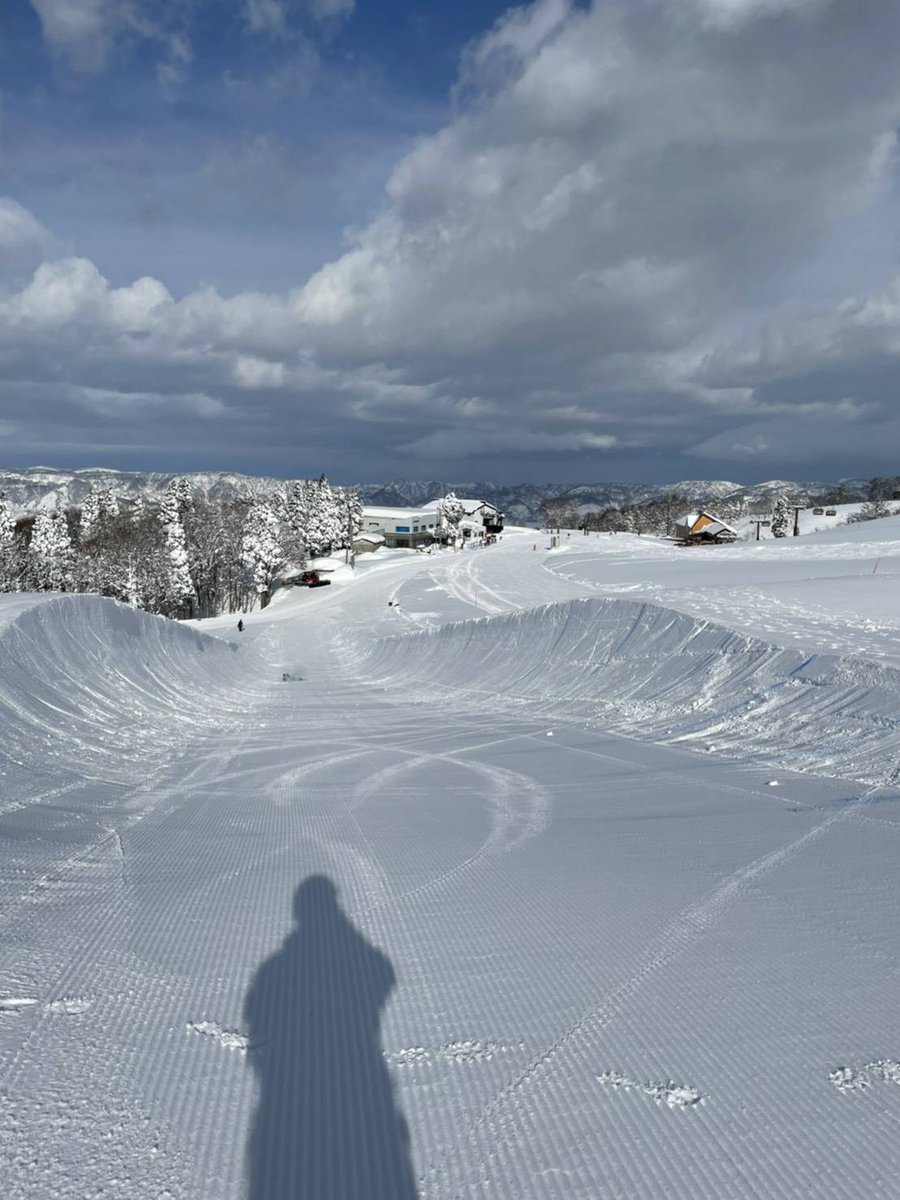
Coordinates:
180 557
657 517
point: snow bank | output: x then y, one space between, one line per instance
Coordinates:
91 687
652 672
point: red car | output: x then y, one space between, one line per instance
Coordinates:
312 579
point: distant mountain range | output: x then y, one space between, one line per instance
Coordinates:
520 502
34 488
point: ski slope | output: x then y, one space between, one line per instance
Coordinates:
514 872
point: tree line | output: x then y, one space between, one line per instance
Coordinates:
654 517
657 517
178 556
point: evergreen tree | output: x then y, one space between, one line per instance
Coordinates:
100 506
452 511
781 516
296 519
883 487
262 552
322 521
50 552
90 515
179 589
351 512
179 487
9 565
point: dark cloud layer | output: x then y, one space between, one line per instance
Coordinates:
653 234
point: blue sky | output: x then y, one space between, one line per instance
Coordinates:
636 240
245 172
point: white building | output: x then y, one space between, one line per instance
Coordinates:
401 526
480 515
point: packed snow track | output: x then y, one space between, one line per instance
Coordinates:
560 876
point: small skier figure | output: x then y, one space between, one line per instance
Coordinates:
241 625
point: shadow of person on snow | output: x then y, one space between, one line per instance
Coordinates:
326 1126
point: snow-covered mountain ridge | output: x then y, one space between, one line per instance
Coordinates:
33 488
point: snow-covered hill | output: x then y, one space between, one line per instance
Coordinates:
89 686
653 672
555 874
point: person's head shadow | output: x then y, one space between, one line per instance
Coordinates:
326 1126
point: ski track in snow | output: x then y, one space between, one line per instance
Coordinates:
610 965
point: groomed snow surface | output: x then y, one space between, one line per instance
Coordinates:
514 872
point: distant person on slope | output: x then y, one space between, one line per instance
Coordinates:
241 626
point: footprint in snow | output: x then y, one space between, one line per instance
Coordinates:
859 1079
229 1038
69 1006
468 1051
674 1095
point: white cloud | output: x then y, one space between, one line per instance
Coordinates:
266 16
85 32
108 403
20 230
475 442
24 242
274 17
61 292
81 29
809 434
252 372
325 10
733 14
136 309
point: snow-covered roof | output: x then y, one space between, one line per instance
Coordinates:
469 504
711 523
413 513
369 536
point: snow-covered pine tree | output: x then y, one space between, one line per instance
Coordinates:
295 521
109 503
100 505
322 523
334 509
452 511
91 511
50 551
261 548
780 516
350 514
179 487
179 589
9 573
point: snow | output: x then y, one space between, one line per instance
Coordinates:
566 874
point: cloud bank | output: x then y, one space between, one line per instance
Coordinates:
630 242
